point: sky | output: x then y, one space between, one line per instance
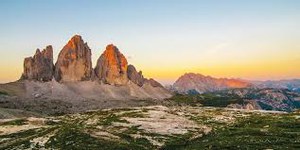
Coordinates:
255 39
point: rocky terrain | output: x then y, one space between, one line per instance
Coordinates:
293 85
155 127
266 99
280 95
198 83
244 98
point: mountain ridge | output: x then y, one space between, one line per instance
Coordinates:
201 83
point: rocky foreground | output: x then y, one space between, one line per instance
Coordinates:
155 127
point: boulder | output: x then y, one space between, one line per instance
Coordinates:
111 67
40 66
74 62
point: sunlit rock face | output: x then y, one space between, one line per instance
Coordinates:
112 66
134 76
74 61
40 66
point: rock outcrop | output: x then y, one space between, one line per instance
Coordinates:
112 66
76 80
40 66
134 76
74 62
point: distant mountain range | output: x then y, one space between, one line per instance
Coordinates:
293 84
192 83
283 95
265 98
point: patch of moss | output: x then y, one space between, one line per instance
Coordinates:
71 137
108 120
255 132
207 99
3 93
177 141
14 122
133 114
21 140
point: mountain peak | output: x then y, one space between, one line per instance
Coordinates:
112 66
111 46
76 36
74 42
74 61
40 66
201 83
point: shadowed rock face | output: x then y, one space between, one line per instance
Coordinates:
74 61
40 66
134 76
111 67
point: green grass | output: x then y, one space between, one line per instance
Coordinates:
133 114
256 132
3 93
21 140
109 119
14 122
73 137
208 99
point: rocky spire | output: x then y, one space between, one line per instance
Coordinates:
40 66
74 61
74 64
111 67
134 76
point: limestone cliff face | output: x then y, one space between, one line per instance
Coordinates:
74 61
112 66
134 76
40 66
74 64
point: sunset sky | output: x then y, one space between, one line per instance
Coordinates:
257 39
